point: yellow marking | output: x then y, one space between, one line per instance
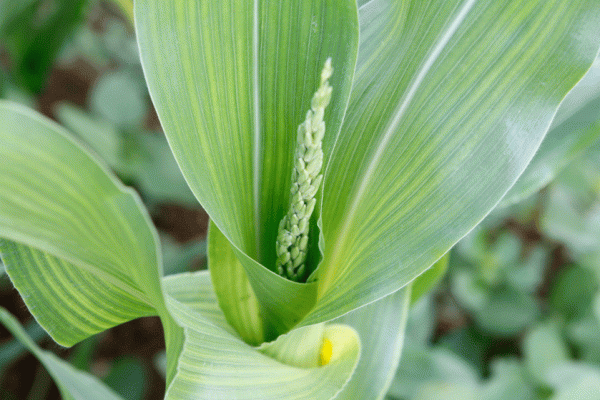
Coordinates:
326 352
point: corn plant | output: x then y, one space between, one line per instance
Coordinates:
340 147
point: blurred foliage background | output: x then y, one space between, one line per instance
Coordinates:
517 315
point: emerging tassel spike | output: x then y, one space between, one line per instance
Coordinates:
292 238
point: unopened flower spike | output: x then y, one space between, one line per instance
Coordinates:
292 238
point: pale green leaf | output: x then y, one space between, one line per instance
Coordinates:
13 349
234 292
507 381
78 245
72 383
428 279
68 301
422 367
543 349
56 199
99 135
178 257
448 391
285 348
217 364
154 170
143 158
451 99
507 312
574 381
119 98
246 293
231 81
381 326
575 127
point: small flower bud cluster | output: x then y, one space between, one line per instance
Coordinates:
292 239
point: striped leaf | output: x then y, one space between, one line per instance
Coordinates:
234 293
574 129
78 245
451 100
231 82
257 301
381 347
217 364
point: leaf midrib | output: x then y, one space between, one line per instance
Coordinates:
257 159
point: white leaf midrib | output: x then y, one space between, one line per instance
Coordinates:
256 160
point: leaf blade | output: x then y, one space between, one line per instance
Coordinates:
235 88
575 127
73 384
381 348
444 157
75 223
215 363
274 304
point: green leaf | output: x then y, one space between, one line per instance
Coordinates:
126 7
216 363
72 383
119 98
11 350
234 293
13 12
573 291
451 99
246 294
78 245
128 377
381 326
231 82
230 93
101 136
429 279
575 127
544 348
